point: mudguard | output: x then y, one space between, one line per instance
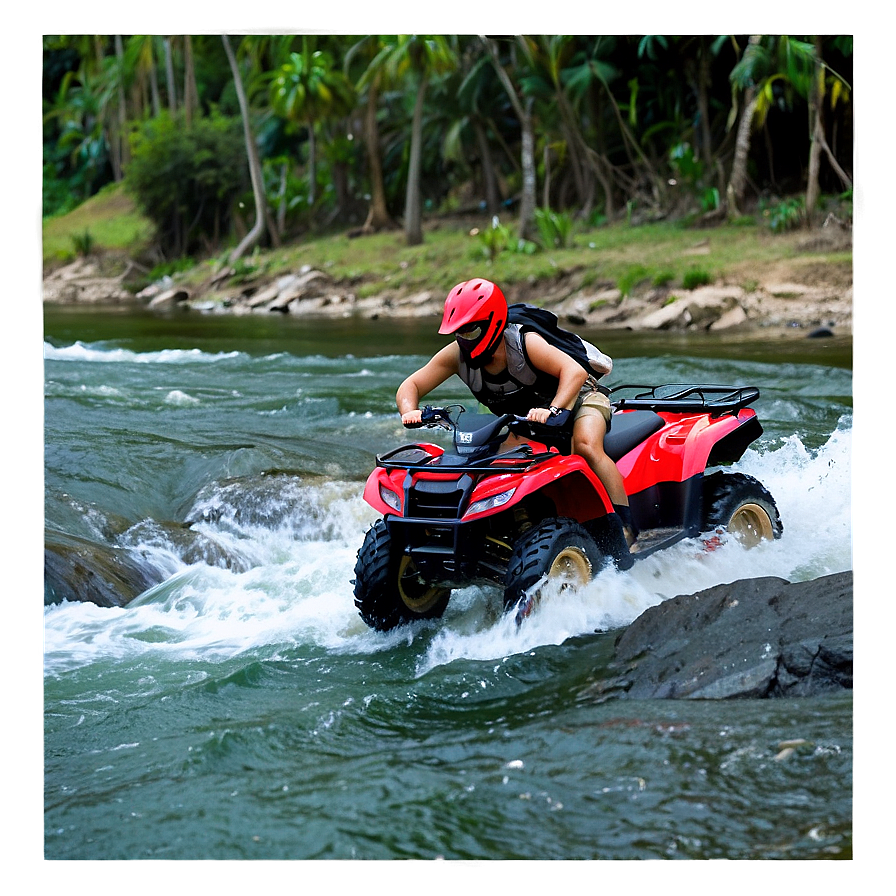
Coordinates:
683 447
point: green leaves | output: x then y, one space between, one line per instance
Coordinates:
186 179
554 228
309 87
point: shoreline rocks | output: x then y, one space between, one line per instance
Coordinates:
776 303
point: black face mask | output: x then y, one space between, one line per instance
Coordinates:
474 340
477 362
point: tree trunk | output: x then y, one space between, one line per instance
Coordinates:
116 141
816 136
378 217
489 180
527 200
191 94
413 207
342 190
527 155
169 76
154 81
253 237
702 82
738 180
281 204
312 168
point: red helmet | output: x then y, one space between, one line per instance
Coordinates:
476 312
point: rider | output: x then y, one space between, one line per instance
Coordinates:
518 372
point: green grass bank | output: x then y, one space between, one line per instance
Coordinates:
109 229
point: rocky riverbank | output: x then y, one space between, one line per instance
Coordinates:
804 293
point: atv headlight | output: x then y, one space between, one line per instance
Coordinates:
490 503
390 498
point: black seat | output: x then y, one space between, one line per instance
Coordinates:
630 429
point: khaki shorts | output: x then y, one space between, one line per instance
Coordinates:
591 401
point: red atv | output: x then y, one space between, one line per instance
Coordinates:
483 514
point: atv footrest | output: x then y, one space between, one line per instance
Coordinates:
652 540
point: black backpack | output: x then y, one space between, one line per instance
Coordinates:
546 324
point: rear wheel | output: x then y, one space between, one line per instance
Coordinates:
557 550
741 505
388 588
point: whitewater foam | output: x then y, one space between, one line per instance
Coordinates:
298 592
80 351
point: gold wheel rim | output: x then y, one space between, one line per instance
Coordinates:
751 524
572 567
417 596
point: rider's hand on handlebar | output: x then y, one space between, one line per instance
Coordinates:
412 418
539 415
546 418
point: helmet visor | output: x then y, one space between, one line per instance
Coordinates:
471 332
470 336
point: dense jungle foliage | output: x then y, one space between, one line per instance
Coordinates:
255 140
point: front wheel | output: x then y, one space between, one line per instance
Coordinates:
741 505
388 589
556 549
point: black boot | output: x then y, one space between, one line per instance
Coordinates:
624 512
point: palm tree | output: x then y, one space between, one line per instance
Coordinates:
191 91
306 89
370 79
417 57
824 83
479 100
169 74
522 106
551 62
768 63
140 53
265 54
253 237
80 110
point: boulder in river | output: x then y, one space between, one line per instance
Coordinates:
762 637
79 570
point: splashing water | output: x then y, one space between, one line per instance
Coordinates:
297 589
245 683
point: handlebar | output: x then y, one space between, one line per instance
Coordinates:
432 417
440 417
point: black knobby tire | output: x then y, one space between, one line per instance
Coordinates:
554 547
741 505
388 591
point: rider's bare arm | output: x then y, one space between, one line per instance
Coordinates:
569 373
421 382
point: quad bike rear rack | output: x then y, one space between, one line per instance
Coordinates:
686 398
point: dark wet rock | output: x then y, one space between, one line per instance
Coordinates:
80 570
77 569
761 637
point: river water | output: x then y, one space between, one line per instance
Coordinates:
240 709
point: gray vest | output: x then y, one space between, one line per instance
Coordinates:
521 388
